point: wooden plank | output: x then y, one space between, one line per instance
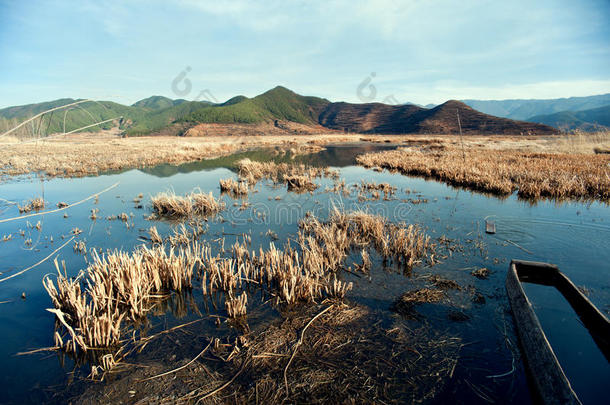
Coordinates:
550 381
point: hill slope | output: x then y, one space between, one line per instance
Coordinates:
382 118
278 103
524 109
588 120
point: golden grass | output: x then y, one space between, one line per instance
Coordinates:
300 183
155 238
85 154
407 245
501 172
92 306
120 285
236 307
168 204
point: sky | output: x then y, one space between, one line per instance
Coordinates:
421 51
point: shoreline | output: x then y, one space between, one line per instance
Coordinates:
85 154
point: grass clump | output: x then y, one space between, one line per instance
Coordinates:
35 204
405 303
407 245
168 204
114 287
237 188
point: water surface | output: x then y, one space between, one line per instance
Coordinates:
573 235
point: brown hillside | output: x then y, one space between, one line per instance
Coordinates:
443 120
405 119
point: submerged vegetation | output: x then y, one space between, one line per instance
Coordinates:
533 175
120 286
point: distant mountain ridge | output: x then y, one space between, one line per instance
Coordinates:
158 114
595 119
524 109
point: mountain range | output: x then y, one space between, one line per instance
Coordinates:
585 113
279 109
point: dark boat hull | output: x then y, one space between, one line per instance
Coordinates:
547 376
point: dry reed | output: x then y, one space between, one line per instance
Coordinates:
35 204
297 177
115 286
534 175
236 188
170 205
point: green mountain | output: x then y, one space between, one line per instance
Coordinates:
276 104
524 109
162 115
588 120
157 103
67 119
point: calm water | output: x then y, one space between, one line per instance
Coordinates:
575 236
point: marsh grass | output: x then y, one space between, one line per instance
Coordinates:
407 245
97 309
236 307
297 177
501 172
197 203
115 286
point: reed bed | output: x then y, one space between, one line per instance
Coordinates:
407 245
501 172
170 205
118 289
296 176
114 287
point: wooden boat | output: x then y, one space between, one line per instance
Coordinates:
549 380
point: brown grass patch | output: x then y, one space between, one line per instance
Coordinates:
296 176
501 172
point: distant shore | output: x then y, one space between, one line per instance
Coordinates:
86 154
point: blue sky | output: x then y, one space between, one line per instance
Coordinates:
420 51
